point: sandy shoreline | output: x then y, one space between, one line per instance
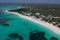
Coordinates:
45 24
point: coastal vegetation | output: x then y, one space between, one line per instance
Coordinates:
51 14
45 9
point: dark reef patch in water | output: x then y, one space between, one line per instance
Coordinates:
14 36
25 23
7 25
37 35
20 37
53 38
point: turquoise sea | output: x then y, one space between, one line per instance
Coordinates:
20 25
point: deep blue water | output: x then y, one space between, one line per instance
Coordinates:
20 25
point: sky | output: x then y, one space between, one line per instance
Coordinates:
31 1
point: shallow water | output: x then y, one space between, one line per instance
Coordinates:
21 25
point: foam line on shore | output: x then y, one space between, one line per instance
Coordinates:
45 24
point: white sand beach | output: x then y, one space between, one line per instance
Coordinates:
45 24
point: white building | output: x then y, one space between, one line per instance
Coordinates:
37 14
